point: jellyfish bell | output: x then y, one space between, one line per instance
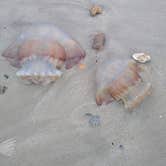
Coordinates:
121 80
41 52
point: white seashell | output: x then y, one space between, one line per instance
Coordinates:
141 57
7 147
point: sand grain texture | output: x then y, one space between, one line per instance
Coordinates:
48 123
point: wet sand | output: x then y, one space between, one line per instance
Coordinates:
47 125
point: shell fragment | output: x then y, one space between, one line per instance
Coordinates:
141 57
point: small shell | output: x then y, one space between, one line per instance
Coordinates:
41 52
98 41
121 80
94 121
141 57
3 89
95 9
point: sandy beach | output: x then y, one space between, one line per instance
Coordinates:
46 125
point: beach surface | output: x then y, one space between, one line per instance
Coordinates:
46 125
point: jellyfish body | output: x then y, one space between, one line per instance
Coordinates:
121 80
41 52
